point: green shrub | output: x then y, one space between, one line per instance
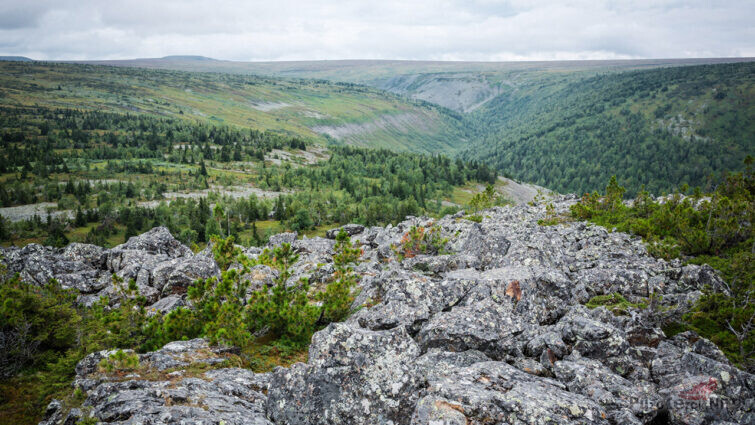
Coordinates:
551 217
486 199
119 361
420 240
474 217
615 303
283 310
338 295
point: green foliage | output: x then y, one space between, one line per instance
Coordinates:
551 217
101 165
46 334
338 295
283 310
715 229
615 303
218 305
36 322
119 361
225 251
420 240
486 199
474 217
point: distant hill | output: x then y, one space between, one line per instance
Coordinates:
320 110
16 59
188 58
564 125
460 86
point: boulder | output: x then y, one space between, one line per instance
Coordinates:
353 376
281 238
350 229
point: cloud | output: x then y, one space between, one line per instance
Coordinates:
389 29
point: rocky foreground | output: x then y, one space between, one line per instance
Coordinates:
494 331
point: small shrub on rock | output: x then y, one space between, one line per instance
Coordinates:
338 295
421 240
120 361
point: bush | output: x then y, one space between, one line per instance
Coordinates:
283 310
119 361
35 323
420 240
338 295
615 303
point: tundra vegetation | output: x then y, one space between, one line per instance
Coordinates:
45 332
700 228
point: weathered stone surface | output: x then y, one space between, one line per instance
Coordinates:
350 229
185 273
156 241
353 376
492 330
487 326
90 254
166 305
495 392
281 238
226 395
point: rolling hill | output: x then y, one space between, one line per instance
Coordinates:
318 110
460 86
567 126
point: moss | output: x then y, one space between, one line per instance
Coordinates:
615 303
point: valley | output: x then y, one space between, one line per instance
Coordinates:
184 221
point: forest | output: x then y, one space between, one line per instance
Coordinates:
107 175
658 128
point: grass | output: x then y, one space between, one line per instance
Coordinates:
273 227
462 195
227 99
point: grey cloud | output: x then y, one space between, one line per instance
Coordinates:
400 29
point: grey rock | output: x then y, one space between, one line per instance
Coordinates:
226 395
350 229
281 238
486 326
92 255
495 392
260 276
157 241
494 330
185 272
53 413
353 376
165 305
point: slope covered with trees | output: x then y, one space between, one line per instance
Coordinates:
659 128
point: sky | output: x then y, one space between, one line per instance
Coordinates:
480 30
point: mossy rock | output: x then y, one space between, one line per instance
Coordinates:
615 303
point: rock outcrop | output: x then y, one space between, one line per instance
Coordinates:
492 330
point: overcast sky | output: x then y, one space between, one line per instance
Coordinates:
377 29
